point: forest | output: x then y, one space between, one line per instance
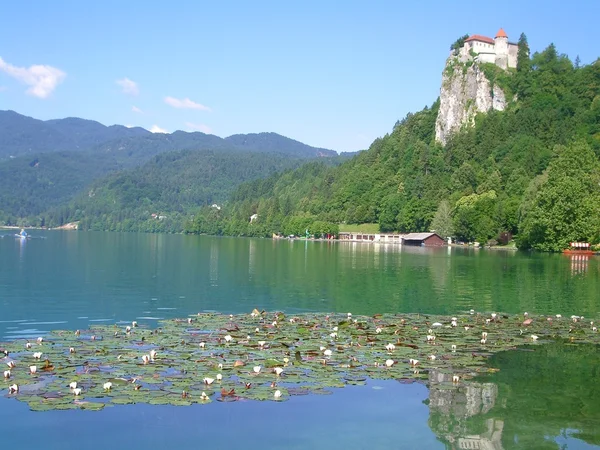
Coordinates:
530 171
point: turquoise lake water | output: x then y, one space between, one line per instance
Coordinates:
71 280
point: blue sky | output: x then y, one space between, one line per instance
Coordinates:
330 74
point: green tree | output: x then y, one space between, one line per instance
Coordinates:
567 206
523 62
442 221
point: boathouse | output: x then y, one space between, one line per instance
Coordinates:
425 239
417 239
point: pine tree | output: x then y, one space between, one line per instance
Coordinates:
523 63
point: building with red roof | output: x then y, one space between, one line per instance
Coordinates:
497 51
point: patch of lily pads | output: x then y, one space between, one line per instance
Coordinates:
264 356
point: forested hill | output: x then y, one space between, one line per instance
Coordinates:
531 170
164 193
21 135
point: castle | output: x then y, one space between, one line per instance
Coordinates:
496 51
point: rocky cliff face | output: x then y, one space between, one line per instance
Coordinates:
465 92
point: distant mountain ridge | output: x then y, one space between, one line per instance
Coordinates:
21 135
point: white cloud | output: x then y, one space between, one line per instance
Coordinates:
198 127
185 103
157 129
41 79
128 86
135 109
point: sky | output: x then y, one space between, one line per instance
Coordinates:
330 74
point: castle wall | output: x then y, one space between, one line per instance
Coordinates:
513 50
487 57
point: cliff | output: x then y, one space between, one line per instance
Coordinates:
465 92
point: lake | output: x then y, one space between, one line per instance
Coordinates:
548 398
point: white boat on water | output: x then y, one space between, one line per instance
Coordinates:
22 234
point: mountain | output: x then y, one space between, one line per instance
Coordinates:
46 164
529 167
162 194
22 135
275 143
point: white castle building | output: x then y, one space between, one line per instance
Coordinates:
496 51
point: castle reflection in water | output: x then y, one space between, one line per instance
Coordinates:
450 407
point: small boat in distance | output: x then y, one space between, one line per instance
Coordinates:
579 248
22 234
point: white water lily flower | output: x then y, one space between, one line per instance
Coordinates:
228 338
390 347
73 384
378 330
436 325
220 366
488 320
333 335
256 330
37 355
13 389
219 377
467 328
153 354
40 340
208 381
256 369
262 343
483 341
431 357
349 315
534 337
430 338
77 391
202 344
203 396
134 324
71 350
11 364
32 369
558 316
594 329
455 378
189 320
146 359
322 348
127 329
453 347
328 352
472 311
454 323
286 360
389 362
28 345
278 371
484 334
7 374
107 386
274 323
277 394
494 315
413 362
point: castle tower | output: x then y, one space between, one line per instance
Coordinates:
501 49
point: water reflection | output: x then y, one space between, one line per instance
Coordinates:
547 398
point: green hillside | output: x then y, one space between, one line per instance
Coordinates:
530 170
166 191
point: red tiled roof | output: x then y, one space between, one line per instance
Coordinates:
501 33
480 38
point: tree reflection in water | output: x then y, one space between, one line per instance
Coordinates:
545 397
